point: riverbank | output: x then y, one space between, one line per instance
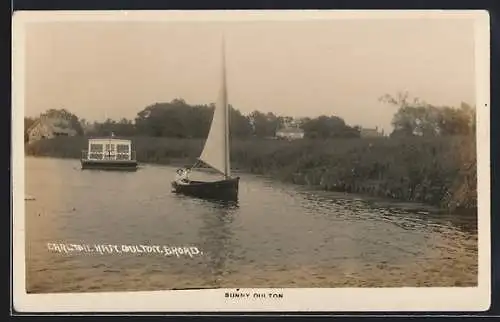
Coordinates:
436 171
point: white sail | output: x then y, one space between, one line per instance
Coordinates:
216 150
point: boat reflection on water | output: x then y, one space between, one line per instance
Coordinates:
217 238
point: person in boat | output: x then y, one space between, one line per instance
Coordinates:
182 175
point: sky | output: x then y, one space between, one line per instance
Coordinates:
114 69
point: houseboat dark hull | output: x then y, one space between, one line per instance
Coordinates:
223 190
112 165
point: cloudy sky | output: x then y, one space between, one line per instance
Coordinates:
306 67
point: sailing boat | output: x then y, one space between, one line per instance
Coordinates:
215 154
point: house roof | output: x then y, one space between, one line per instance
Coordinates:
369 130
33 125
290 130
56 124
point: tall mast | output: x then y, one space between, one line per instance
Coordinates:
227 167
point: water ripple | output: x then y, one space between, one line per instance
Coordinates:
277 234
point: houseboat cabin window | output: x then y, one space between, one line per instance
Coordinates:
95 147
96 151
122 148
122 152
110 151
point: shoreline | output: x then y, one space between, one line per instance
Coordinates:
411 206
363 167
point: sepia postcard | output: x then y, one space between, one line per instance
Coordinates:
251 161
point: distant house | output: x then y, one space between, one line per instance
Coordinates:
290 133
49 127
371 133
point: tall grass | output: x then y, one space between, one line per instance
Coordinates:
439 171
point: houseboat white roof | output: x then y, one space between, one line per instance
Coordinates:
109 139
290 130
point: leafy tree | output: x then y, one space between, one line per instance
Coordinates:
181 120
122 128
68 116
328 127
418 118
263 125
239 124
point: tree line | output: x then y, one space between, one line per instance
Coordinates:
179 119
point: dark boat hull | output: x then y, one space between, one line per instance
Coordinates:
226 190
125 165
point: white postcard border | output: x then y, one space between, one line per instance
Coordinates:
295 299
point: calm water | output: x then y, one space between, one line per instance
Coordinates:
278 236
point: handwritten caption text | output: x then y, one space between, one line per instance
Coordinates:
102 249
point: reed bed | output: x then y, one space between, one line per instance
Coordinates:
440 171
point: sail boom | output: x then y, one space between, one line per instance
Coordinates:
212 167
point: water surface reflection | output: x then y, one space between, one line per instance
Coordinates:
277 235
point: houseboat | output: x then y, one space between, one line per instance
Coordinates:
109 153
